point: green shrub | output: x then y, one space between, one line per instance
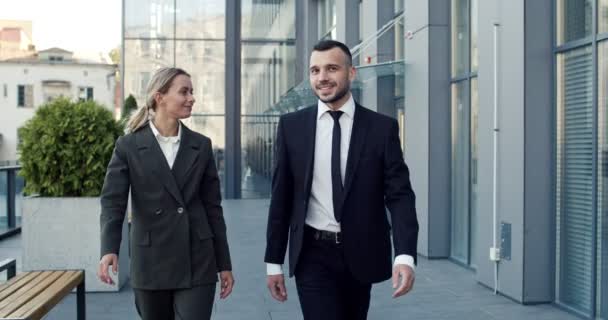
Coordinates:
65 148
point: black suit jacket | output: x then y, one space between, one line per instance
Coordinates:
178 233
376 178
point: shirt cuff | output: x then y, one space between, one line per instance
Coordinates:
273 269
405 259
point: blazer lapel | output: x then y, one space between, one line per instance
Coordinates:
186 156
155 161
310 127
357 144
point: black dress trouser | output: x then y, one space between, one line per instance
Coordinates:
326 288
181 304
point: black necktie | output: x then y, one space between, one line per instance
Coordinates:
336 176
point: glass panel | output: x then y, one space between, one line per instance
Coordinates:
200 19
19 185
204 61
602 193
399 5
460 172
267 72
574 20
460 37
473 202
602 16
3 201
142 58
399 39
214 127
327 19
474 50
575 179
268 19
149 19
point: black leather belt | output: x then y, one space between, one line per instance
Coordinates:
335 237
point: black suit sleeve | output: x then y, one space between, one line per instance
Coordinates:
114 198
281 201
212 200
399 196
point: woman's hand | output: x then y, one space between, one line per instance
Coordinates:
226 282
106 261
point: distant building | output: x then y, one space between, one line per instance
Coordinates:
28 82
16 39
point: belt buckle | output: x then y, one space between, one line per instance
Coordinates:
337 237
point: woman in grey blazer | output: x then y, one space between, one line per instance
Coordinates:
178 234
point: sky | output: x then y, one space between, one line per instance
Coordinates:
85 27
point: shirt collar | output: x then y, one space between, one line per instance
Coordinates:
348 108
160 137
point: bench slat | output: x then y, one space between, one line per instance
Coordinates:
11 281
18 283
28 292
39 306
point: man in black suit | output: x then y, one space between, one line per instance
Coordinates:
338 166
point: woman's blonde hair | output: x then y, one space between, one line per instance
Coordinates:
160 82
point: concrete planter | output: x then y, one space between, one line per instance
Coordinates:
64 233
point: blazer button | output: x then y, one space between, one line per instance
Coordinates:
158 211
180 210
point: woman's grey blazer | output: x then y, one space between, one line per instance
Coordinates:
178 233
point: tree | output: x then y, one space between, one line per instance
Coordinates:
128 107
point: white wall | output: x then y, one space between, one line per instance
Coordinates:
13 74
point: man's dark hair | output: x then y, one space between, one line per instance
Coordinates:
325 45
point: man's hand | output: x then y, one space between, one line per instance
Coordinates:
227 283
403 279
276 285
106 261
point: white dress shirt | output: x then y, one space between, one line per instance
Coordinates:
169 145
320 214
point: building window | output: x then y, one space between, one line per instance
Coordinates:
85 93
581 157
464 110
25 96
327 19
5 90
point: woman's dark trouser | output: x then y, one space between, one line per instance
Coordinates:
180 304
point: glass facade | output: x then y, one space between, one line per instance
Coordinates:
267 73
602 241
574 20
582 153
327 19
464 111
460 37
188 34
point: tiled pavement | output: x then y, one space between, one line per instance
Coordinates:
443 290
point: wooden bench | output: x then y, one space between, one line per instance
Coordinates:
31 295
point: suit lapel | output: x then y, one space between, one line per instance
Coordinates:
357 144
310 127
187 154
155 161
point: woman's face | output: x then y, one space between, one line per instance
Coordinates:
178 101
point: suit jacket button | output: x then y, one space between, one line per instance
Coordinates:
158 211
180 210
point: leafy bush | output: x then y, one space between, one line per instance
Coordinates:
65 148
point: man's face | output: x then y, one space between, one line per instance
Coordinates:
330 74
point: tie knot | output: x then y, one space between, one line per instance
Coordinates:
336 114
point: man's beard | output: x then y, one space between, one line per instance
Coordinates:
339 95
